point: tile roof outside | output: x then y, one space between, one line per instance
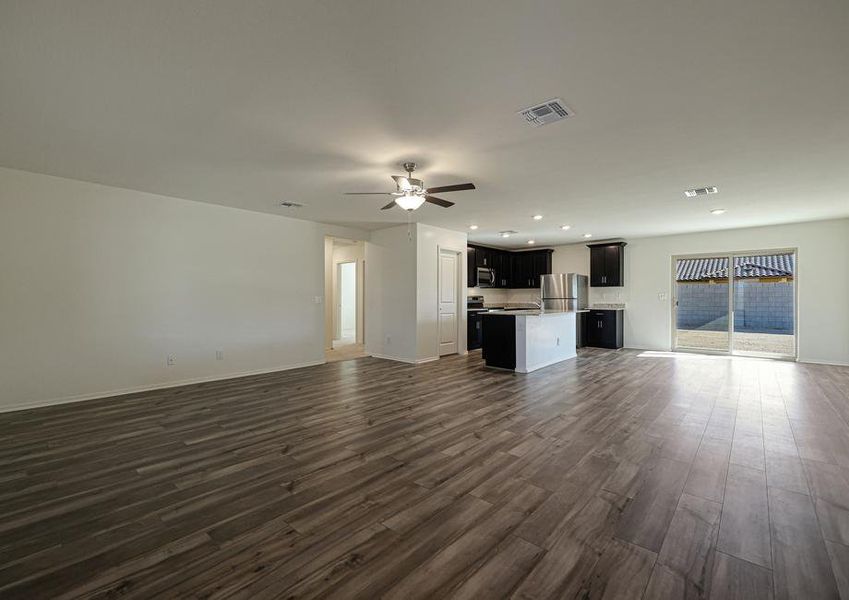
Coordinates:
702 269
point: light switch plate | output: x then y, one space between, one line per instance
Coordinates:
661 296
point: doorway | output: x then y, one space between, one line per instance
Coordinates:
741 303
448 292
345 299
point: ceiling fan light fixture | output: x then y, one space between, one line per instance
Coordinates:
409 201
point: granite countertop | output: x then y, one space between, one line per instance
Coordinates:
529 312
608 306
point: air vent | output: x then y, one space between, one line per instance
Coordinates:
545 113
288 204
700 192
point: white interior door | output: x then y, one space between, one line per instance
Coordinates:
346 301
448 269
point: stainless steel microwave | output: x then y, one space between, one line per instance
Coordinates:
486 277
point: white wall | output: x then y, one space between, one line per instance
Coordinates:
401 312
391 293
429 241
100 284
822 279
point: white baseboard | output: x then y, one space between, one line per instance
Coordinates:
152 387
831 363
417 361
395 358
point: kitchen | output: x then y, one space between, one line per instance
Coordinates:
524 317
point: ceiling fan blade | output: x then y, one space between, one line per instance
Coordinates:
403 183
451 188
367 193
438 201
390 205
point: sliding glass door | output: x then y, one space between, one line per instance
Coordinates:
740 303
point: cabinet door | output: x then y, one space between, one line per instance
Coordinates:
608 329
597 266
471 266
526 270
541 266
613 266
495 264
504 265
594 330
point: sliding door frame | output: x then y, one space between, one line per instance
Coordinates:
730 256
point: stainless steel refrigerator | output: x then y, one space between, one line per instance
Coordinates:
566 291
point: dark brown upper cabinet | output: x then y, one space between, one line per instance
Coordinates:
512 269
607 264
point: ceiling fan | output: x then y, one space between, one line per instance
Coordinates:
412 193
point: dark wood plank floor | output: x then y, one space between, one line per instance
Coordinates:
617 475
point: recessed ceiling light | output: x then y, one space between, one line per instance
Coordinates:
537 217
565 227
531 242
473 227
717 211
588 235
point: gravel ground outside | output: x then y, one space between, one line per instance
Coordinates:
749 342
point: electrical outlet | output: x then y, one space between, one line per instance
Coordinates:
171 359
317 299
219 355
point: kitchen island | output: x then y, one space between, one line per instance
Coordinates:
527 340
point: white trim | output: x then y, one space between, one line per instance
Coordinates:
408 361
831 363
543 365
153 387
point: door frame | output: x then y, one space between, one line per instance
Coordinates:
337 299
730 350
459 286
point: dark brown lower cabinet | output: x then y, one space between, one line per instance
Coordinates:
603 328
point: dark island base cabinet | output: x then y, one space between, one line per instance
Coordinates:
603 328
514 270
499 341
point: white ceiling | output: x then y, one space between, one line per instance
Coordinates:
248 103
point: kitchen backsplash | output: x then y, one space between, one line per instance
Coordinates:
504 296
